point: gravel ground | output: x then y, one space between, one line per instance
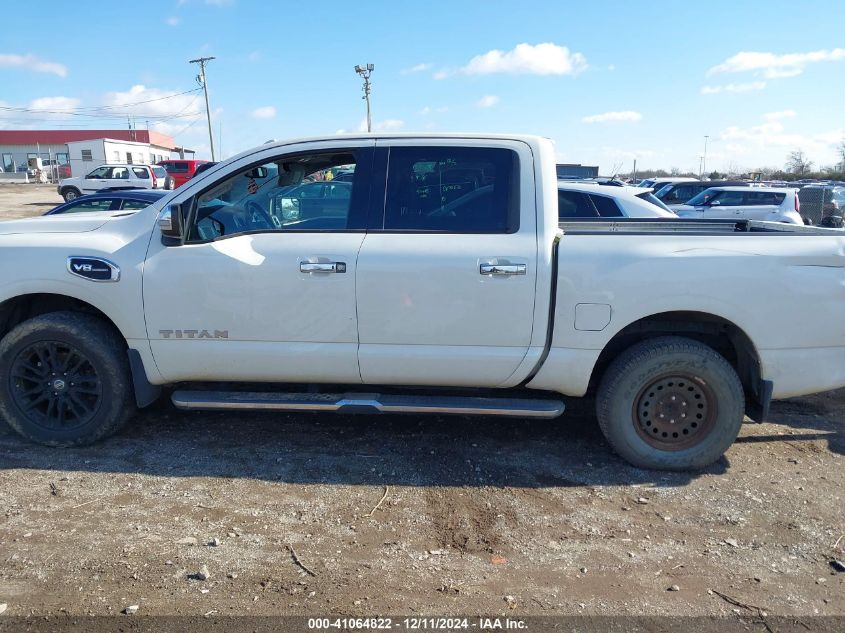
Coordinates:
194 514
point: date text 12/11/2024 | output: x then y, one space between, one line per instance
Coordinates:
417 623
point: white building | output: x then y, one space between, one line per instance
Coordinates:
77 152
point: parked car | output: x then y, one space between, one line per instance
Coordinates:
112 177
127 200
594 200
180 169
657 183
677 193
442 284
744 203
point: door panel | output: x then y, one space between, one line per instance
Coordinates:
427 316
280 324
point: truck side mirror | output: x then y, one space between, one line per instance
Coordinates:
171 224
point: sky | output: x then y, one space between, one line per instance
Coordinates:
609 81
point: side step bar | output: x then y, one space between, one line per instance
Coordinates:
365 403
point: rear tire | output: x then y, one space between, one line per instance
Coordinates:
169 183
670 403
70 193
65 379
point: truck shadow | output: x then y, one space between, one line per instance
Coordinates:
823 413
353 450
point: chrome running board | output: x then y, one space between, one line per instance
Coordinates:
366 403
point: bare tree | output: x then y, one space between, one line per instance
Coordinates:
798 163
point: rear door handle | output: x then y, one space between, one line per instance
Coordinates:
322 267
502 269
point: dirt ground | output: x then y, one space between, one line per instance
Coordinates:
222 514
25 200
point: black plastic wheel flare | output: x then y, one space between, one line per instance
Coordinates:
675 412
55 386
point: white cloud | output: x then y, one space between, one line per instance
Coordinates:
254 56
487 101
31 62
745 87
264 112
607 117
524 59
772 135
415 69
173 21
179 110
428 110
43 109
774 66
54 104
782 114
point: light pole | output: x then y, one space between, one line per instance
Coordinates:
365 71
201 79
704 158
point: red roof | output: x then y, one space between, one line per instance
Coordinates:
58 137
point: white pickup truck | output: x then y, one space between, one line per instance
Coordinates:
437 279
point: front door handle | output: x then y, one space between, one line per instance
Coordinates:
322 267
502 269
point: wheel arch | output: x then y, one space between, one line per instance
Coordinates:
723 335
16 310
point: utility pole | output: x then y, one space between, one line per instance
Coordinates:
704 157
365 71
634 179
202 61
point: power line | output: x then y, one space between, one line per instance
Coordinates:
104 112
92 115
129 105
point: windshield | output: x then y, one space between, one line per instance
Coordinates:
648 197
702 198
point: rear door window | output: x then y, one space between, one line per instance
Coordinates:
451 190
141 172
177 167
764 198
573 204
119 173
606 207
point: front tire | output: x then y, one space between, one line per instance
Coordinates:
670 403
64 379
70 194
